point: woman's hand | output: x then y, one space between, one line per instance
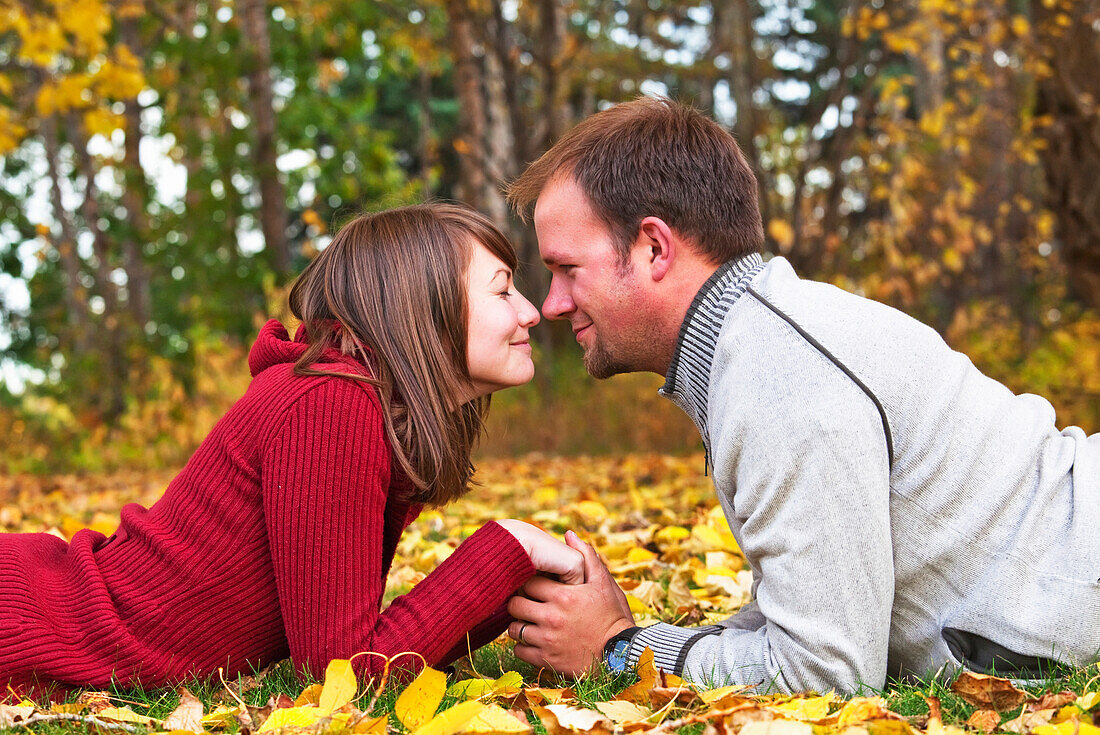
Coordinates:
564 626
547 554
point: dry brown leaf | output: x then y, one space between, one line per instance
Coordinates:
1028 721
683 696
539 695
985 720
94 701
1052 700
561 718
647 679
777 727
624 713
187 715
11 715
935 710
990 692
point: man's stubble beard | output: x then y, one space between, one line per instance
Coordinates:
602 364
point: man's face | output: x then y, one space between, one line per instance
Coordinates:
589 285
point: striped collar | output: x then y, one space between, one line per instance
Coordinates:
688 377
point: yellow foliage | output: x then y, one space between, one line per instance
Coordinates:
119 78
99 121
42 39
88 21
11 132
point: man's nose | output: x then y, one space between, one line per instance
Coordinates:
558 303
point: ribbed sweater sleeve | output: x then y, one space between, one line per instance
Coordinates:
325 481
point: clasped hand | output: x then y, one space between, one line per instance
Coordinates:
565 624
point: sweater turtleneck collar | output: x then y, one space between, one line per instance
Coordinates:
688 377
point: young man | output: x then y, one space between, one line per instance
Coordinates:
902 513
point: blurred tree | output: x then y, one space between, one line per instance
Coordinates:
1067 43
167 164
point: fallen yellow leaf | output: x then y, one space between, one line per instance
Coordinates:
1088 700
861 709
310 695
473 716
372 725
1069 727
124 714
221 716
808 708
509 683
418 703
340 686
303 716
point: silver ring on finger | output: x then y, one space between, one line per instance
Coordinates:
520 637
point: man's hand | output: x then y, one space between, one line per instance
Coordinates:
547 554
565 626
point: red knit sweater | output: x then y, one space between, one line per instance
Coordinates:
275 539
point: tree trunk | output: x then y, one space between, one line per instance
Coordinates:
500 161
470 143
424 133
1071 96
551 44
733 36
77 314
273 210
112 401
135 196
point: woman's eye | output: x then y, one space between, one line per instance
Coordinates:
505 293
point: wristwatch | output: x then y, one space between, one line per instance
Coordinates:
616 652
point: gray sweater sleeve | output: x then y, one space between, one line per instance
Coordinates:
806 453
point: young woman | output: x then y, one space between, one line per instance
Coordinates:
277 536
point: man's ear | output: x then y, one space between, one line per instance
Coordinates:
660 245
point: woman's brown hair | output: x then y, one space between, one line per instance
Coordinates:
391 289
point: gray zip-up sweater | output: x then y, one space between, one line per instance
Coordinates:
902 513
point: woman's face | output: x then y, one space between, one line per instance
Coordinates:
498 347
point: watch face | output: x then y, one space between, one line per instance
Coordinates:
617 658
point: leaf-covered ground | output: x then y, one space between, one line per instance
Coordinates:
654 519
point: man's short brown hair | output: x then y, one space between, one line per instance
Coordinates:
655 157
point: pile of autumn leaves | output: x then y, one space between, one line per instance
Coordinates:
655 521
656 704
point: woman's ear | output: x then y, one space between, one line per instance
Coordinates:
660 245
